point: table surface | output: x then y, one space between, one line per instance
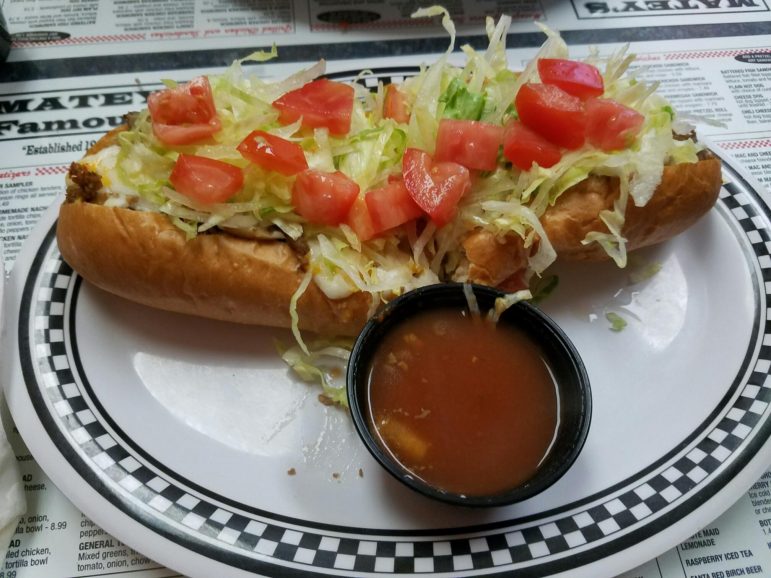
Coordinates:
691 46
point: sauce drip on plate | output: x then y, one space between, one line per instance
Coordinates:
469 406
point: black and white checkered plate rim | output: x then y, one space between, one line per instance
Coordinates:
244 537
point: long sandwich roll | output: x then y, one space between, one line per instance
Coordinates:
306 203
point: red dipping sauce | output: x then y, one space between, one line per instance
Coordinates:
468 406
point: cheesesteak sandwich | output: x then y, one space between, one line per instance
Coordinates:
308 202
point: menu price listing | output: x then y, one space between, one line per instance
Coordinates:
741 561
23 558
738 543
55 539
97 551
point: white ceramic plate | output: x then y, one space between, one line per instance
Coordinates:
178 435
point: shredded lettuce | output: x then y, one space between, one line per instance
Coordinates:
261 55
495 54
617 323
503 303
543 287
426 88
447 22
340 270
506 201
460 103
373 154
320 363
301 288
471 299
143 164
643 271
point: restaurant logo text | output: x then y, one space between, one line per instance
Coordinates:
618 8
70 112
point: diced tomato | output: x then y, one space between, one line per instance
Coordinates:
391 206
610 125
577 78
174 135
320 103
395 104
184 114
360 220
273 153
435 187
206 180
523 147
190 103
323 198
552 113
452 181
470 143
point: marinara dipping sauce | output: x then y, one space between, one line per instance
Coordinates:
463 409
468 405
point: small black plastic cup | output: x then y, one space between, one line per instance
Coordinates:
561 356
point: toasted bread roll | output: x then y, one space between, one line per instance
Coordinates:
686 192
145 258
142 256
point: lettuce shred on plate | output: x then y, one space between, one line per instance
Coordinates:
505 201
